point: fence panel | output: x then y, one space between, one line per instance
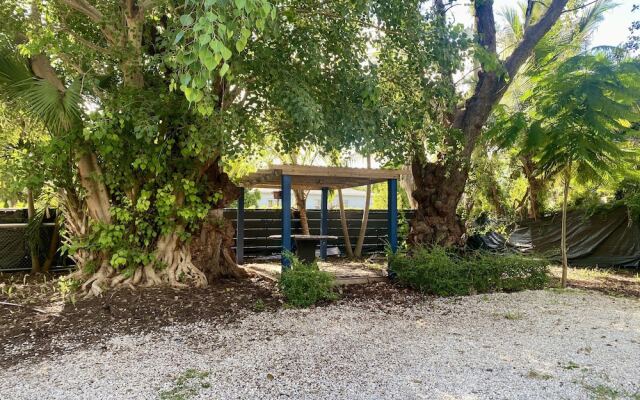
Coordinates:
259 225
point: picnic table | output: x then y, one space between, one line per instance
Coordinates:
306 245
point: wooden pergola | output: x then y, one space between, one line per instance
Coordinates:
288 177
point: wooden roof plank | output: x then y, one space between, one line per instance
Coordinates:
314 177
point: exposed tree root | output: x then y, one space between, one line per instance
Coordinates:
213 253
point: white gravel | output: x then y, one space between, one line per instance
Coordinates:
529 345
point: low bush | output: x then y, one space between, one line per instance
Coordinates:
304 284
444 273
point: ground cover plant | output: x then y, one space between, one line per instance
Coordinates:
442 272
304 284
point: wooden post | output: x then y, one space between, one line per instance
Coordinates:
324 221
286 218
392 213
240 229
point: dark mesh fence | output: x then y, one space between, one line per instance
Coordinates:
14 244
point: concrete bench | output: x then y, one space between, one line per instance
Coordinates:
306 245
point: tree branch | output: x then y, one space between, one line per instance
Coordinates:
529 13
83 7
580 7
485 24
532 36
80 39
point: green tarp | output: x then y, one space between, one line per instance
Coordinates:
607 238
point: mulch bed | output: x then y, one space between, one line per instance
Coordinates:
43 315
40 315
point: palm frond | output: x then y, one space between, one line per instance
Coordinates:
57 110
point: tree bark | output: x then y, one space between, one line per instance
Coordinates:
345 227
563 238
365 217
408 185
31 212
437 193
132 59
301 205
212 246
53 248
439 185
536 184
97 196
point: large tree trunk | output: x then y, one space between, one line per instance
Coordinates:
35 256
97 195
535 184
439 185
437 193
535 188
212 247
301 205
408 185
53 247
345 227
563 238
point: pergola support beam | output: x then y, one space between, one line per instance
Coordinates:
240 229
286 219
324 221
392 213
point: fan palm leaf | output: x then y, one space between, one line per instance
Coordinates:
57 110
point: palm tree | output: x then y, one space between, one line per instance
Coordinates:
56 110
586 105
515 129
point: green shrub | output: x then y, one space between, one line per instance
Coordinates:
444 273
304 284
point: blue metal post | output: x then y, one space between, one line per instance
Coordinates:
392 213
286 218
324 221
240 228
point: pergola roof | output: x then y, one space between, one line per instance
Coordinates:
312 177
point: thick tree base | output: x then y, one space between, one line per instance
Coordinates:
173 267
438 192
212 249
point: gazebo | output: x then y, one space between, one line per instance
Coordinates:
288 177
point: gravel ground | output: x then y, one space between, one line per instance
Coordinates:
529 345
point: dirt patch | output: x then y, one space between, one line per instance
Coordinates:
615 282
39 322
38 316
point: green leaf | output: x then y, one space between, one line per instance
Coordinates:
186 20
204 39
241 44
179 37
224 69
188 93
226 53
185 78
241 3
211 17
215 45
